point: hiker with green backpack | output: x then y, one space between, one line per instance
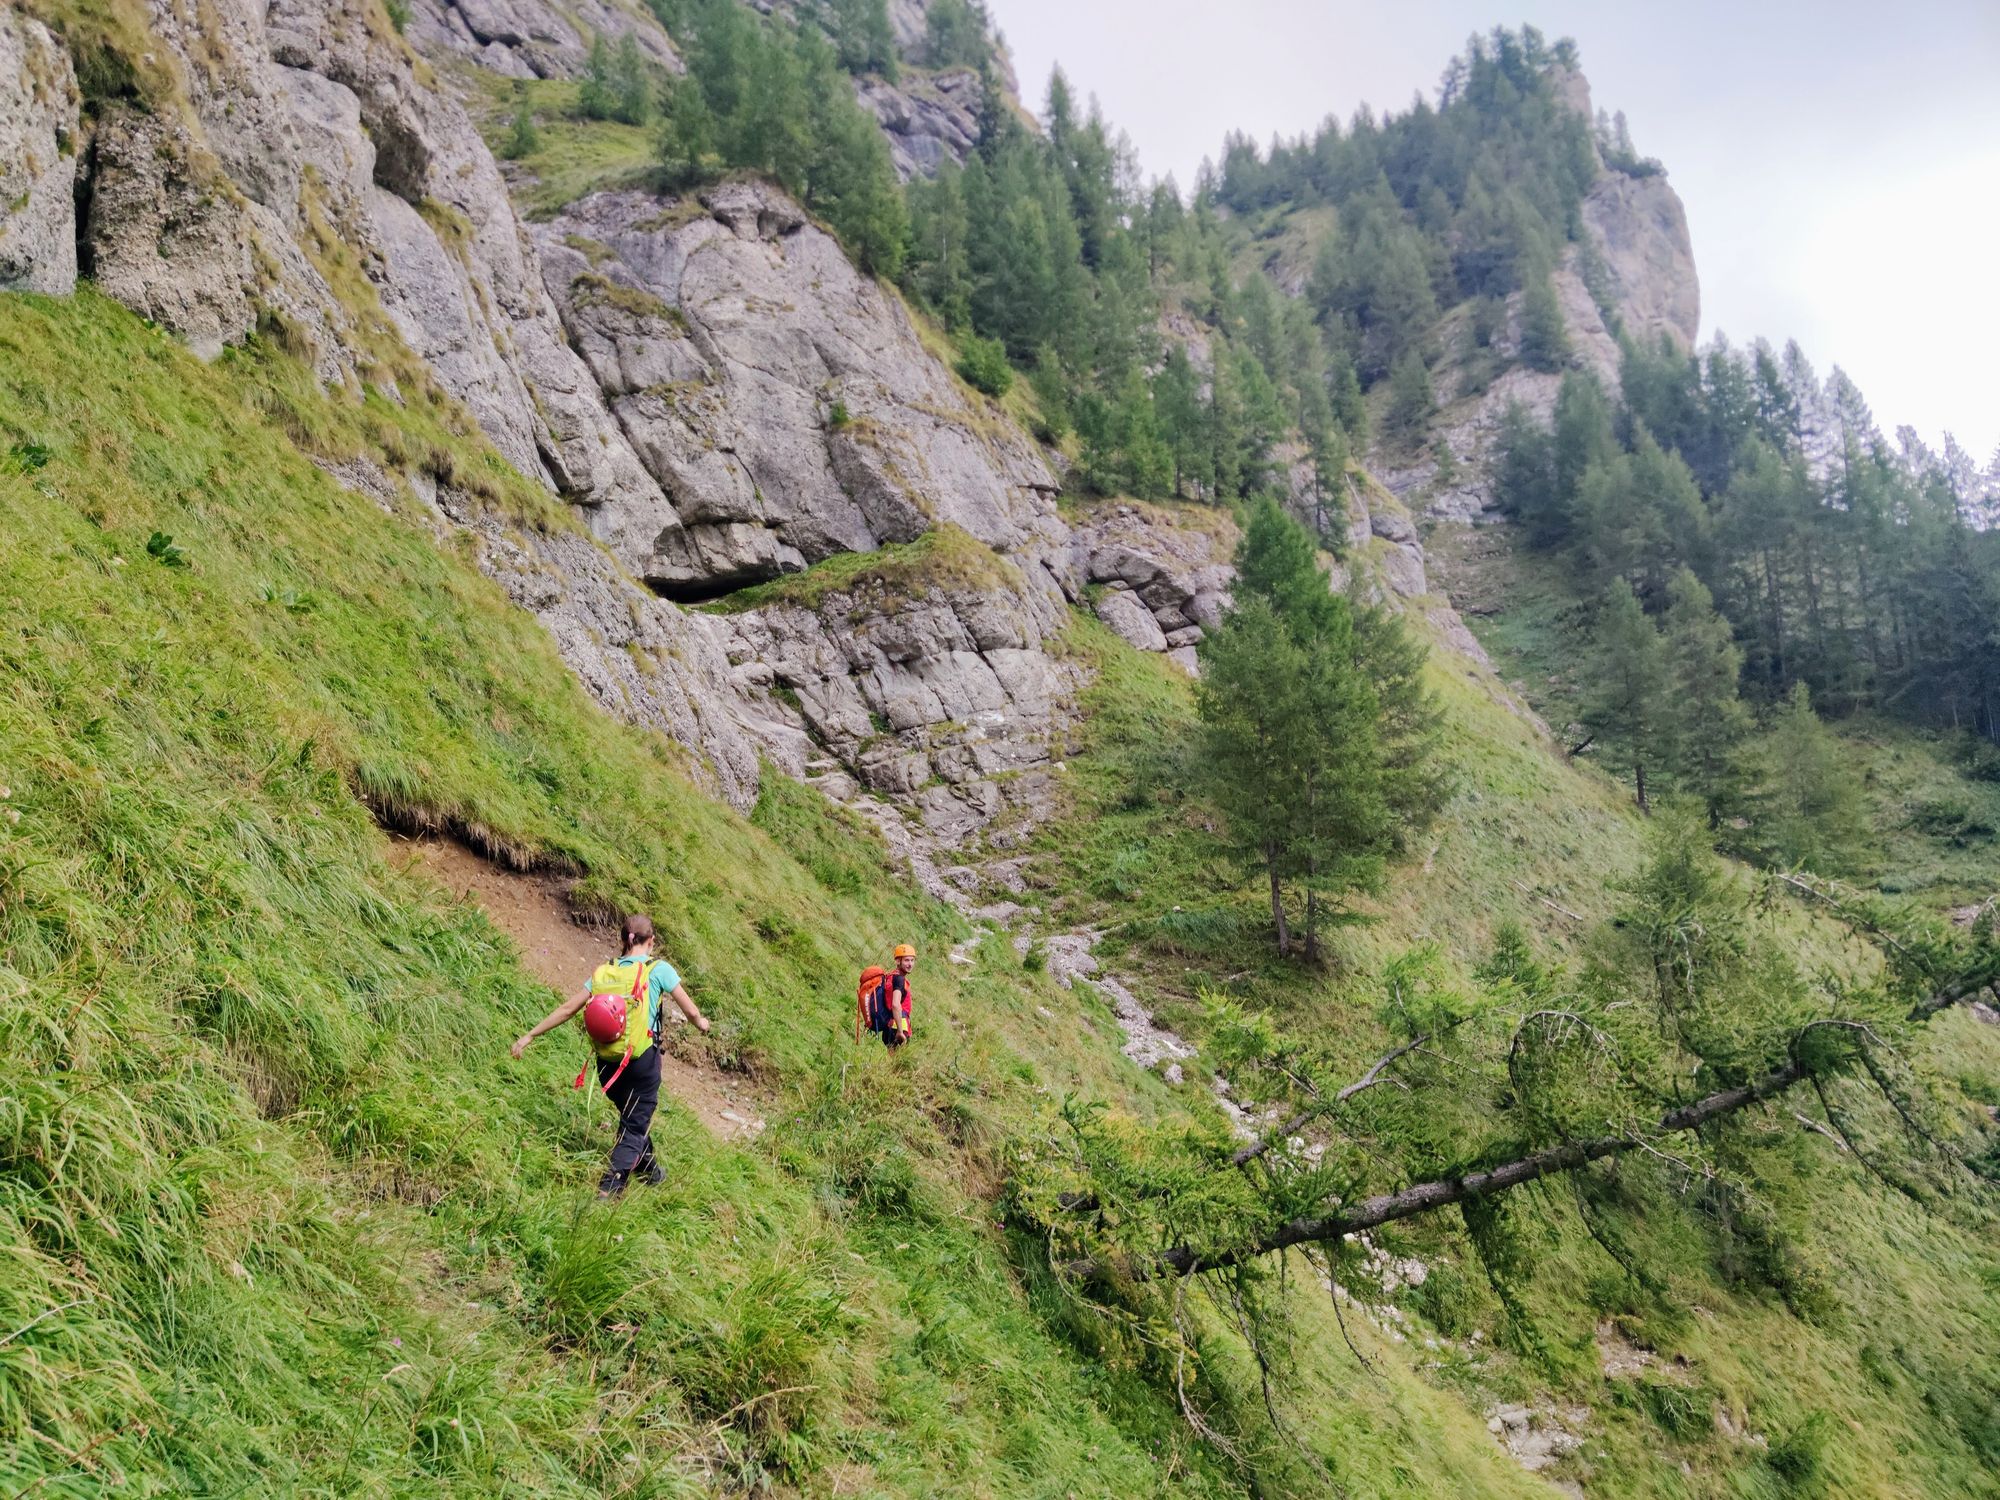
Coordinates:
623 1012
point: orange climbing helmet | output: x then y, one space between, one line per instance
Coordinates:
904 950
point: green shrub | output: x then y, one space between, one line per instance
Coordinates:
1799 1458
982 364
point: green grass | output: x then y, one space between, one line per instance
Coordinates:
944 558
573 156
1529 838
282 1216
284 1210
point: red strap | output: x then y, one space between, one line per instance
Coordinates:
636 986
609 1081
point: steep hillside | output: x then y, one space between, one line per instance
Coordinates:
589 518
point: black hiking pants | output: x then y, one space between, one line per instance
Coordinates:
637 1095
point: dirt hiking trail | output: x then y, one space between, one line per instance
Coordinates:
561 953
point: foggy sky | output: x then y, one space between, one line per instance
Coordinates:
1840 160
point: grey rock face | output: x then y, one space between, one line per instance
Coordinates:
726 335
38 145
928 119
162 242
533 38
1641 230
1167 576
423 197
945 701
637 655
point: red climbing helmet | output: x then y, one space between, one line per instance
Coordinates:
604 1019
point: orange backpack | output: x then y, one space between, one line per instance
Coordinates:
867 994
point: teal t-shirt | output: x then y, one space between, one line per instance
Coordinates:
660 983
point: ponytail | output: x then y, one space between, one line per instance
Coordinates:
636 930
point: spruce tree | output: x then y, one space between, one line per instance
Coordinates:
523 138
596 95
955 34
631 86
1544 343
863 37
1292 747
1177 407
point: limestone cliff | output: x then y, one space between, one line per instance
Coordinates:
707 380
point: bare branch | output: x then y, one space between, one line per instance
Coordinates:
1305 1117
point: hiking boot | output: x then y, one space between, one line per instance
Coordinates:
654 1175
611 1186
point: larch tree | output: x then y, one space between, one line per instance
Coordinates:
1625 693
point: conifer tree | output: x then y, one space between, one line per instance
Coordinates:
631 86
1177 406
1625 704
1709 720
596 96
1321 738
863 37
1544 342
1811 810
1411 404
955 34
523 138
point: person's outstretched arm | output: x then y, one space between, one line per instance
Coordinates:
689 1008
552 1020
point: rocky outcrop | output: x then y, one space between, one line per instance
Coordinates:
534 39
174 240
1640 229
641 658
938 695
1164 572
38 145
782 402
1639 232
1470 418
929 119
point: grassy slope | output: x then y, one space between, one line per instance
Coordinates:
300 1216
283 1214
260 1145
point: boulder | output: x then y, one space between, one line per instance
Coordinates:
38 144
1122 610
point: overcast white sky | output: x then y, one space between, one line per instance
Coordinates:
1840 160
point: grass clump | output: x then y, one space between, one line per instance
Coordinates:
944 559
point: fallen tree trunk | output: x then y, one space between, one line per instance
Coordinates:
1442 1192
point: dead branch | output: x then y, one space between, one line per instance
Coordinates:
1305 1117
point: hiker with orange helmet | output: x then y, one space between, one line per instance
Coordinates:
882 1000
622 1015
